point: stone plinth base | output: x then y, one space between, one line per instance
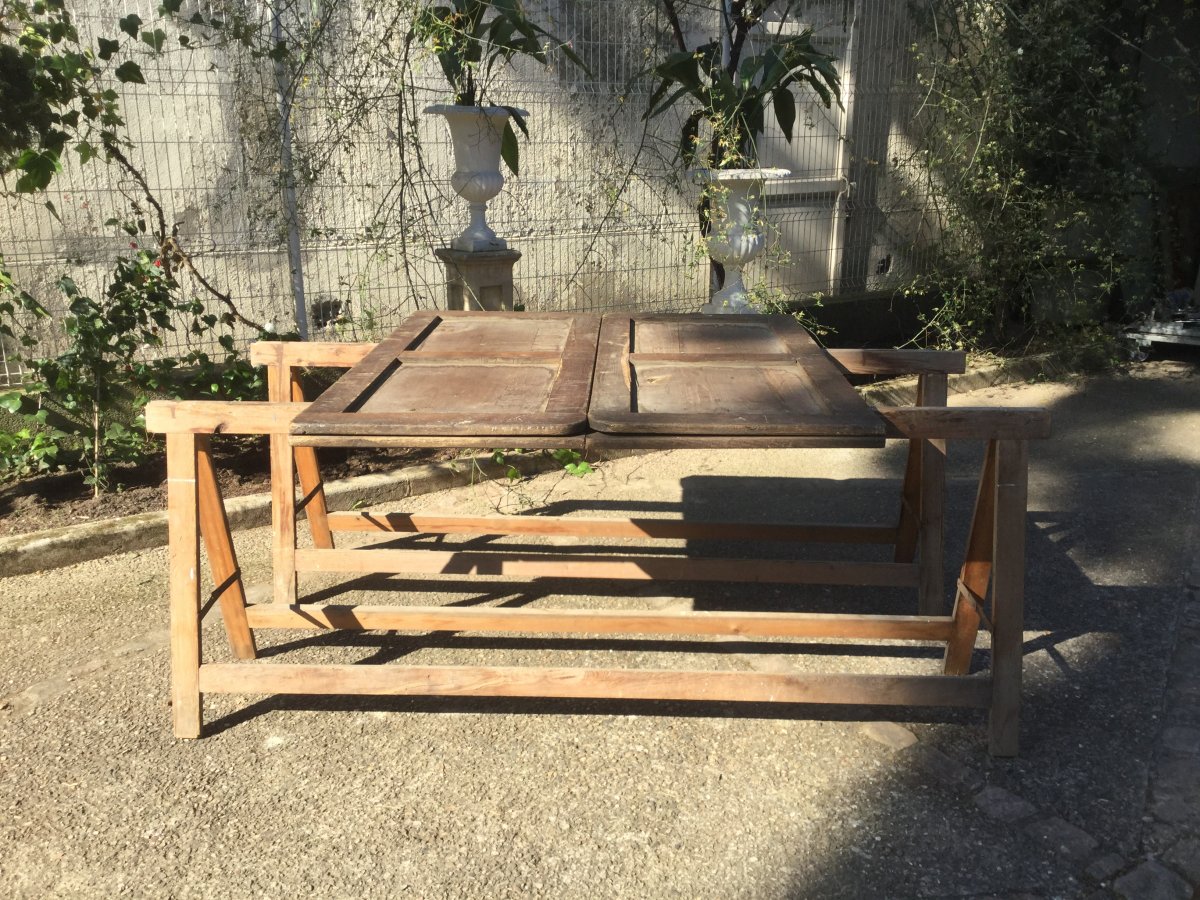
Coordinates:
478 279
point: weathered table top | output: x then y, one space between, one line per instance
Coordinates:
655 379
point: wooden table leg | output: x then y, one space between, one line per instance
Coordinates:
976 571
312 488
222 559
931 391
909 524
283 519
1008 595
184 554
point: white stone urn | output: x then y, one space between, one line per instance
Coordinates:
476 132
737 234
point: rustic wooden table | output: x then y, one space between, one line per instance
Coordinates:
622 381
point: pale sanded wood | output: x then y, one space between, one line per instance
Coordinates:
976 570
956 422
931 594
222 559
980 422
312 487
642 568
908 525
664 529
620 684
1008 596
899 362
466 373
220 416
308 354
283 520
555 621
738 376
601 441
184 564
283 386
455 442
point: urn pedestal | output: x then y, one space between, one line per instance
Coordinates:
476 132
738 230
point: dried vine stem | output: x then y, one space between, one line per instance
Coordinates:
170 250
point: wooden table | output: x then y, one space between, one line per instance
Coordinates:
622 381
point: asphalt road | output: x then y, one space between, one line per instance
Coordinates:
330 797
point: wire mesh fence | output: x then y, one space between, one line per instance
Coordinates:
339 213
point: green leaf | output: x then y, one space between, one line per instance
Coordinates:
11 402
53 210
154 39
171 6
785 111
107 48
510 150
130 72
130 24
38 167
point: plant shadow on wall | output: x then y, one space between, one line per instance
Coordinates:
1032 136
725 91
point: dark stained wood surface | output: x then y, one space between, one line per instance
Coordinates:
743 376
463 374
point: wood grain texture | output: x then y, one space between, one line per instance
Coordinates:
957 422
621 684
931 595
1008 596
663 529
184 565
601 441
283 520
466 373
454 441
976 571
899 362
222 559
740 376
560 565
554 621
312 486
908 524
308 354
220 416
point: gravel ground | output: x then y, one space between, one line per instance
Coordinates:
406 797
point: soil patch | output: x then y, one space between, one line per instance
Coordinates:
53 501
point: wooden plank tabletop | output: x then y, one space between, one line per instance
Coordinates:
647 379
736 376
466 374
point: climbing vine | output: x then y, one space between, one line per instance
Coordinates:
1032 139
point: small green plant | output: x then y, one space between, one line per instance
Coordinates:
732 92
26 452
473 40
87 400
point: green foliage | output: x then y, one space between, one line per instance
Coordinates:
87 400
572 463
27 452
1032 136
54 96
732 93
473 39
